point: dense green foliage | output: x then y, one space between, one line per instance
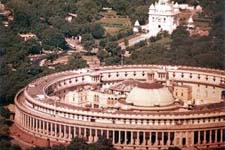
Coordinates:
80 144
4 131
205 51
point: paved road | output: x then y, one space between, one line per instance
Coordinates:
133 40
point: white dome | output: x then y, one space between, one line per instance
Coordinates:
150 97
190 20
152 6
137 23
176 5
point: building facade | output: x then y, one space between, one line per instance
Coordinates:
163 16
136 106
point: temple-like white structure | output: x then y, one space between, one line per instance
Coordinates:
163 16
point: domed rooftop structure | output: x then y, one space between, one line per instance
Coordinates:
137 24
152 6
190 20
150 95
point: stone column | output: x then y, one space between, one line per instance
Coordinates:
144 141
39 128
79 132
90 136
125 138
131 138
221 137
23 120
56 134
162 141
31 123
107 134
36 125
74 132
204 141
60 130
96 135
101 132
47 127
156 138
199 135
64 134
137 140
215 135
172 141
168 139
42 127
150 138
70 135
210 136
27 122
51 130
44 124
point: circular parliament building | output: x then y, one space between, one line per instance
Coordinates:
135 106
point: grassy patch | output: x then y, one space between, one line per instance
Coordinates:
115 23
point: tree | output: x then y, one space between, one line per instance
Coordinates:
76 62
4 112
139 13
87 11
126 42
58 147
88 41
102 54
52 38
174 148
4 131
101 144
51 57
77 144
97 31
180 34
33 46
120 6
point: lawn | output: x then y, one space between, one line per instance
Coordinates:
115 23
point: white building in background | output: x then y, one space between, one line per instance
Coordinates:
136 26
190 23
163 16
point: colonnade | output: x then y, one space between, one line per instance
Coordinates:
65 132
209 136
